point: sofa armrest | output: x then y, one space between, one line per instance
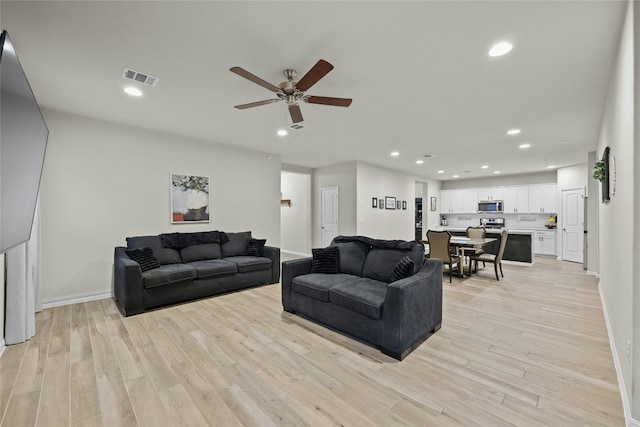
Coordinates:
290 270
127 283
412 309
273 253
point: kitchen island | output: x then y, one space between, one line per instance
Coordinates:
519 248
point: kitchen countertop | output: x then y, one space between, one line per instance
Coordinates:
495 230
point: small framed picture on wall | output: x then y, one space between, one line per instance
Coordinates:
433 204
374 202
404 205
390 202
380 203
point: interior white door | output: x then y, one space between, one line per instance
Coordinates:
573 225
328 214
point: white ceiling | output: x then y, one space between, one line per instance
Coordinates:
418 72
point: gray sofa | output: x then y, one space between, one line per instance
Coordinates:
361 300
189 266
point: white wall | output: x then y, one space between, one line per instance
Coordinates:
295 220
342 176
2 302
103 182
592 218
571 177
617 231
374 181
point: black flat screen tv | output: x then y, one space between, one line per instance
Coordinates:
23 142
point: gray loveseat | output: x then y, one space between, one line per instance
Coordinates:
189 266
361 300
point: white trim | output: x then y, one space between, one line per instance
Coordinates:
74 299
592 273
294 253
630 421
2 346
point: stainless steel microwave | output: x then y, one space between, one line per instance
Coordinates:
490 206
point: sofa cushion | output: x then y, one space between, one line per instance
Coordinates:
236 245
214 267
168 274
364 296
317 286
144 257
201 252
352 256
404 268
325 260
250 263
162 254
255 247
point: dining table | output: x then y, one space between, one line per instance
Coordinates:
461 242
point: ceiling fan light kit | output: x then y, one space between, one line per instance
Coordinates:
292 92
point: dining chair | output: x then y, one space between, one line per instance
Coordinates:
496 259
474 233
439 248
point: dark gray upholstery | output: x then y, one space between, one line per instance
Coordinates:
351 256
214 267
395 316
170 273
162 254
236 245
317 285
201 252
364 296
196 271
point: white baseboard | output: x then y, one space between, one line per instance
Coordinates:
74 299
2 347
630 421
592 273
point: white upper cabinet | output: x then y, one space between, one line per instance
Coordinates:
543 198
458 201
516 200
490 193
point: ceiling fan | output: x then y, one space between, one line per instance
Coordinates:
292 92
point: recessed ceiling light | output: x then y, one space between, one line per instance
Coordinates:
513 131
395 154
496 172
485 166
524 146
133 91
455 176
440 171
551 167
282 132
419 162
500 49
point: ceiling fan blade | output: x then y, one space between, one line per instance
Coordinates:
296 114
326 100
256 104
317 72
257 80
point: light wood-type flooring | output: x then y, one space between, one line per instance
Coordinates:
529 350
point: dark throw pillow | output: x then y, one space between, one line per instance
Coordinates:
404 268
144 257
255 247
325 260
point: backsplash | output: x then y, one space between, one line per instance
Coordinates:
513 221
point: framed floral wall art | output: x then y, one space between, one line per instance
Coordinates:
189 199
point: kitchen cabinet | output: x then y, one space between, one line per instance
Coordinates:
490 193
544 243
458 201
543 198
516 200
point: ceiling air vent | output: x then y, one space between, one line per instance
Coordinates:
139 77
298 127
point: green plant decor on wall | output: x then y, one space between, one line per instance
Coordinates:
598 171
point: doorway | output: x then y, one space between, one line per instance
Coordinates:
573 225
328 214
